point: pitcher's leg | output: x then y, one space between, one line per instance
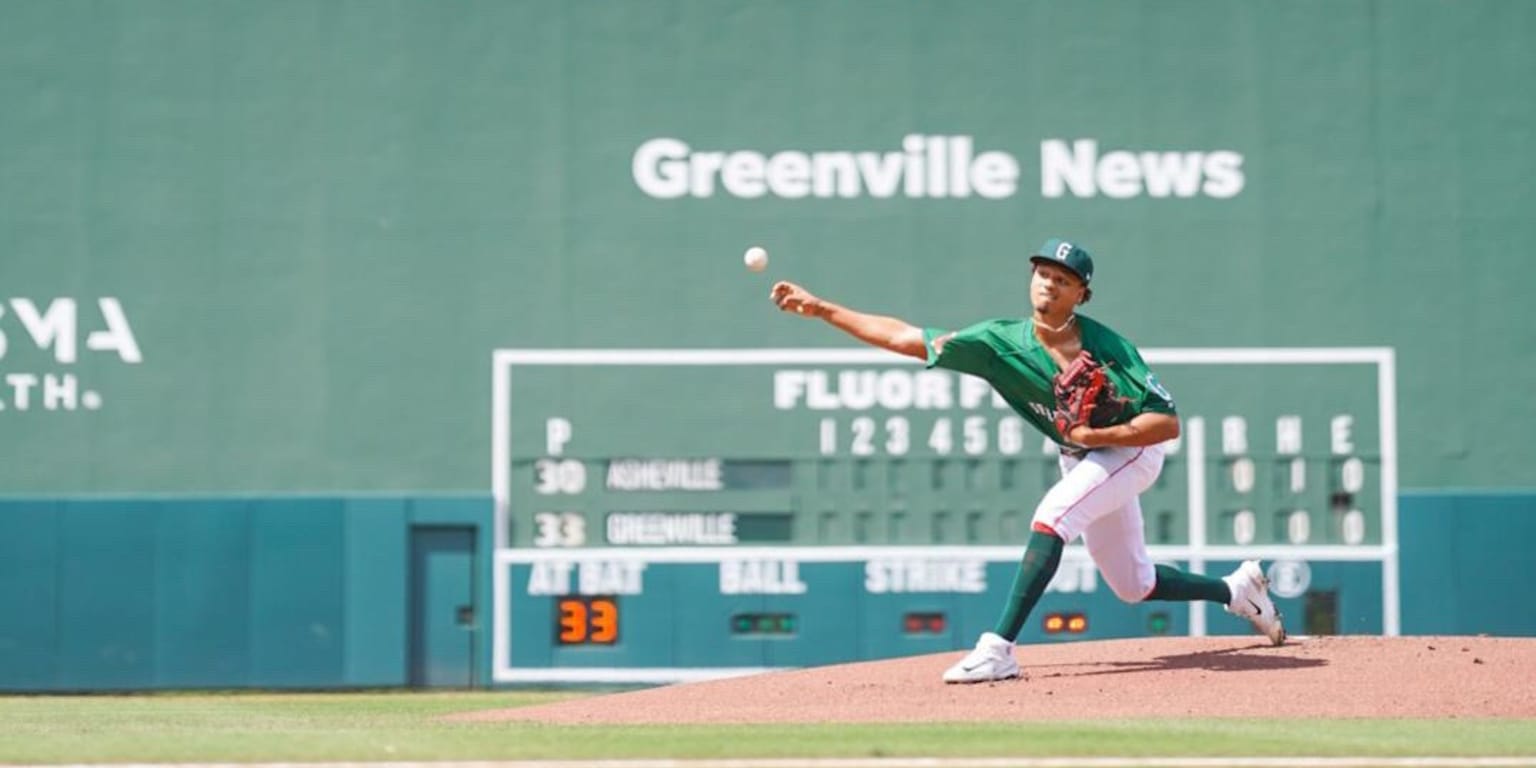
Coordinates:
1116 544
1088 488
1102 482
1177 585
1118 547
1042 557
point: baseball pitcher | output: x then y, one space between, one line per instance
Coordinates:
1087 388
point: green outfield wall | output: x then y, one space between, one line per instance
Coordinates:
270 247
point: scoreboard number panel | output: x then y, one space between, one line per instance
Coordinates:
666 515
581 620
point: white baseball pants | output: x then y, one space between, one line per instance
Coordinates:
1097 499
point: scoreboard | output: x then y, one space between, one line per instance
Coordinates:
666 515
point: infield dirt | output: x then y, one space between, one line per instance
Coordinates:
1322 677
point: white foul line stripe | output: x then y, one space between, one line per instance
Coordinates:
910 762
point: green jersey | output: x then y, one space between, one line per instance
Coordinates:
1006 353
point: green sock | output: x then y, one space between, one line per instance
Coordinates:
1041 556
1174 584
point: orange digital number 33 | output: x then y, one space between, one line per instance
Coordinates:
582 620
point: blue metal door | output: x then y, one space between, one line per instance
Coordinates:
443 615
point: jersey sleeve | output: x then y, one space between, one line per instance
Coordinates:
1146 392
1132 376
967 350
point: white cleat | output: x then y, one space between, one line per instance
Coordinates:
991 659
1250 600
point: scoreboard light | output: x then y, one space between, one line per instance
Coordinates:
924 623
1065 623
757 624
586 620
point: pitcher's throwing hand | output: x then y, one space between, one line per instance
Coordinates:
792 298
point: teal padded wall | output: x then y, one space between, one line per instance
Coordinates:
203 625
297 592
30 594
374 636
107 606
1466 563
159 592
311 592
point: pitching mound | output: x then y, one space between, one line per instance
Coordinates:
1419 677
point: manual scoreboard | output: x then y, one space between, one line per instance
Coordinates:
668 515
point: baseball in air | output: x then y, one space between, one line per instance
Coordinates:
756 258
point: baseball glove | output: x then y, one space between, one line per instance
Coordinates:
1084 395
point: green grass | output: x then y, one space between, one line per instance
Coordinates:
240 727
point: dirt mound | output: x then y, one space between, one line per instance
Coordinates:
1418 677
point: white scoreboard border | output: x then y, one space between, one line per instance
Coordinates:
1196 553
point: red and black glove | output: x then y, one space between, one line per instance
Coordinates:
1084 395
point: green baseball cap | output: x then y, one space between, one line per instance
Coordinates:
1066 254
